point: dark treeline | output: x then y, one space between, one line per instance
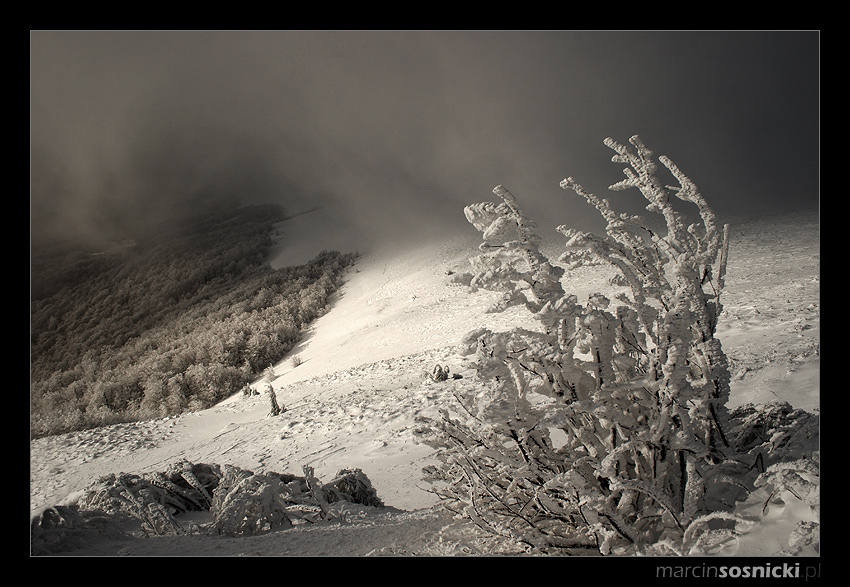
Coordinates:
174 322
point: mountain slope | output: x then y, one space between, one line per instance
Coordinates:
352 401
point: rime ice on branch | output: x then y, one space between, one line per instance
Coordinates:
638 387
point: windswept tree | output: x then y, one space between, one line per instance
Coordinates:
636 386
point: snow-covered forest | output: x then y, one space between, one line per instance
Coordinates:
174 323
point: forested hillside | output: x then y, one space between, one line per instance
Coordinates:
172 322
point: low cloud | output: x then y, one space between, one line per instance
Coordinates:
397 131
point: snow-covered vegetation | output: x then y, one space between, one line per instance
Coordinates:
637 390
392 352
174 323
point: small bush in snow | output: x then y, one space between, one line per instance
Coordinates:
243 503
274 407
154 498
636 386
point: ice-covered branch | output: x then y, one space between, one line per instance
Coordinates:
511 260
638 390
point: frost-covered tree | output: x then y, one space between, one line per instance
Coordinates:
274 407
636 386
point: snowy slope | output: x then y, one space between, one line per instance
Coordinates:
352 402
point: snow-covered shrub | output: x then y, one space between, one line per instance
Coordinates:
248 503
636 387
353 486
61 528
154 498
274 407
439 374
773 433
241 502
780 446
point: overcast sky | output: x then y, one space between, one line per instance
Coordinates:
402 129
